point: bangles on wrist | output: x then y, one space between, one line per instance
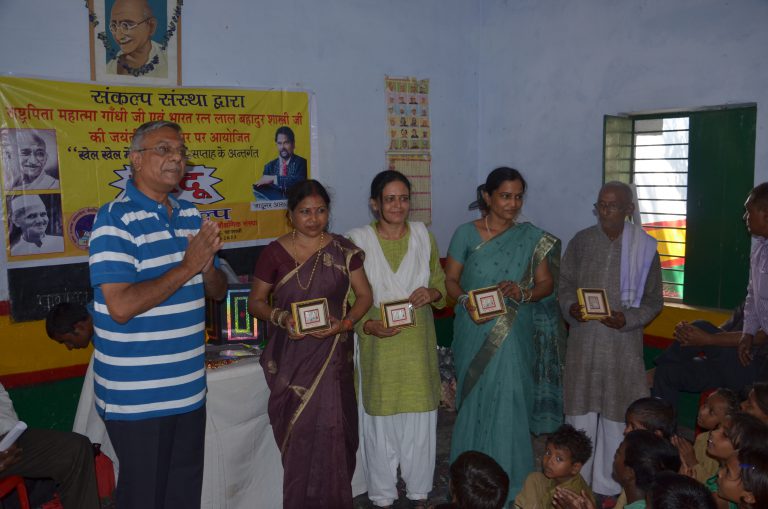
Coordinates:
278 317
463 299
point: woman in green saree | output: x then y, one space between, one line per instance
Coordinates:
508 368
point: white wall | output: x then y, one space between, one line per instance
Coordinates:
523 82
551 69
339 49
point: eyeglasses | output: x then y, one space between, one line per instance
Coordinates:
166 150
126 26
610 207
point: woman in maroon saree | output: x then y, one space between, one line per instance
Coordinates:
312 406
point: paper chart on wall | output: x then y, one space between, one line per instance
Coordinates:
409 139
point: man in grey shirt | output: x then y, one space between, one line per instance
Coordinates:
604 369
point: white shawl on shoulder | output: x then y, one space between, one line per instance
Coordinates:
412 273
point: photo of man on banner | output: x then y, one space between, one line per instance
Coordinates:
284 171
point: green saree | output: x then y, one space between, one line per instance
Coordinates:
508 369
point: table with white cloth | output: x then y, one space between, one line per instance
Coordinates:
242 461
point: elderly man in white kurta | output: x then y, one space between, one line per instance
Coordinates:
604 369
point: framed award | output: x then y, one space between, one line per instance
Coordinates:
311 316
488 302
399 314
594 303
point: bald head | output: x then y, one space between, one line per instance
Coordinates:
614 204
132 24
133 6
622 190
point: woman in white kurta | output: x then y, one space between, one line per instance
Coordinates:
398 367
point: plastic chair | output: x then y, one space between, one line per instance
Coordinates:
15 482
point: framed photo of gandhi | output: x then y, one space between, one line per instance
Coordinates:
594 303
311 316
135 41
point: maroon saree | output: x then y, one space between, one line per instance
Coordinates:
312 405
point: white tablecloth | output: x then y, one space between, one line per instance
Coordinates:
242 462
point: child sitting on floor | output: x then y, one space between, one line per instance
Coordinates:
743 480
719 406
650 414
567 450
757 401
640 457
677 491
740 431
70 324
477 482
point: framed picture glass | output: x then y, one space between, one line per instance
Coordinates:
594 303
488 302
398 313
135 41
311 316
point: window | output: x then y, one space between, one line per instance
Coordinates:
692 171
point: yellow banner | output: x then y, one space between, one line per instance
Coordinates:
65 153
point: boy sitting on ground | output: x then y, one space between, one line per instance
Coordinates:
70 324
477 482
567 450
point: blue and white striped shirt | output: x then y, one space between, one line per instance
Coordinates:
154 364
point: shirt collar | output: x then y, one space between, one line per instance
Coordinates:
145 201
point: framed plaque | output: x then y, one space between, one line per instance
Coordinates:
398 313
594 302
488 302
311 316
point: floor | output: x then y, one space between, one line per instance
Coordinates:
440 493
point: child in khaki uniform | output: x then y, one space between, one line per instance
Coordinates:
566 452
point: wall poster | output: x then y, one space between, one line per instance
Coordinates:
409 136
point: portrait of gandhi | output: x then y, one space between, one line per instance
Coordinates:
138 28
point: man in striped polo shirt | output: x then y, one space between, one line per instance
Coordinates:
152 262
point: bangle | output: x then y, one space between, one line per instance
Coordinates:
462 299
347 324
272 315
281 318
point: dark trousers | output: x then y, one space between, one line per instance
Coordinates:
700 368
161 461
63 456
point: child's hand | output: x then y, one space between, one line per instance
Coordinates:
566 499
685 449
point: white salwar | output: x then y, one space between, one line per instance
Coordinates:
607 436
407 439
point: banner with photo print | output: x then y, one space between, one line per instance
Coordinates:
65 153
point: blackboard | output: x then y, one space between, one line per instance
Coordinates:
34 291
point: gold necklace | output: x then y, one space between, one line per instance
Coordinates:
296 260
